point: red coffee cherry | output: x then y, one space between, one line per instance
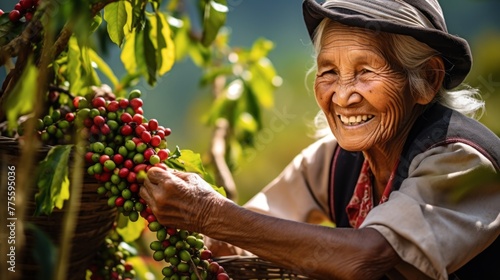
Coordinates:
14 16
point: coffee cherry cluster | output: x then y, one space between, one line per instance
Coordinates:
54 128
123 146
24 8
185 253
110 262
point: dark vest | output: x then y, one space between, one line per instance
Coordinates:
437 126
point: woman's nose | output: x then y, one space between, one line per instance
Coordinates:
345 96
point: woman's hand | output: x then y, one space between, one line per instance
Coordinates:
180 199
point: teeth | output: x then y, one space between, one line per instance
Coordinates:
355 120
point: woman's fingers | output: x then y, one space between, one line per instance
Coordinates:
144 191
182 199
157 175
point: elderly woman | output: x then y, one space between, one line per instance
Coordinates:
400 147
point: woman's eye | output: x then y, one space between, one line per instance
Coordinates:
365 71
329 72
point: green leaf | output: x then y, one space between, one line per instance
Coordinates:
158 46
149 51
74 66
127 55
21 99
127 28
165 47
261 82
189 161
260 48
96 22
4 19
214 18
252 106
137 12
132 55
115 15
192 161
90 76
246 123
81 73
176 154
139 52
222 107
9 30
103 67
199 54
52 178
262 72
130 231
44 252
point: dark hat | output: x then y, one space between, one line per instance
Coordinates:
420 19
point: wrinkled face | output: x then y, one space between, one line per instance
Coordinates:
365 100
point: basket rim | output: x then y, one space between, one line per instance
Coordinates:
253 267
14 145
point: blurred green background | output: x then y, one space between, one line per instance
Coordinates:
178 102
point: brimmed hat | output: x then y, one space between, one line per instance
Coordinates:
421 19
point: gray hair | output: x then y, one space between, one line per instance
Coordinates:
411 55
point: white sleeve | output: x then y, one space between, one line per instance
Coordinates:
431 228
301 187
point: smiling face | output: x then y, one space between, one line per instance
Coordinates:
365 100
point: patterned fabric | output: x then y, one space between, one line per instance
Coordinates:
362 199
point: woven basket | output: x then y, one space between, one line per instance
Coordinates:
94 221
255 268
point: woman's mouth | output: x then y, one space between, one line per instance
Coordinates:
354 120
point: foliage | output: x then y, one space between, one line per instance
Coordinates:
52 180
21 100
52 54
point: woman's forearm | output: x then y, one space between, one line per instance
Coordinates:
184 200
316 251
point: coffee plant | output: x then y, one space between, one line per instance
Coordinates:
122 146
54 93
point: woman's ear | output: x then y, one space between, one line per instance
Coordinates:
434 73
